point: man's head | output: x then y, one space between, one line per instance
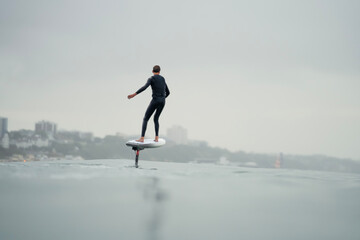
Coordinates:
156 69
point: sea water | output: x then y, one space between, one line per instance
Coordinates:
110 199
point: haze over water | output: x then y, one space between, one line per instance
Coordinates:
263 76
110 199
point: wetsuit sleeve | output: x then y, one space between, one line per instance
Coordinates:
167 91
144 87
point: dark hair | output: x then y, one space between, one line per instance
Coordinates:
156 69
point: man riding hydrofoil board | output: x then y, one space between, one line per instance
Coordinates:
160 91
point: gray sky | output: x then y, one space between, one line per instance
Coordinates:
258 76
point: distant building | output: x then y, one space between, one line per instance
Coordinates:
3 126
177 134
71 136
34 141
5 141
23 144
86 136
41 142
197 143
46 127
4 134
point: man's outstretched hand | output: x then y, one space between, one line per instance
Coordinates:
131 96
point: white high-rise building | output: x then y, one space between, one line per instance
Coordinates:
46 127
5 141
177 134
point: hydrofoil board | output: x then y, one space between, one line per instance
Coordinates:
148 143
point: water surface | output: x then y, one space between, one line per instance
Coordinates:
109 199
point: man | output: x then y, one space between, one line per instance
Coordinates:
160 91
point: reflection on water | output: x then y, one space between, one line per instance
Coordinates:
156 197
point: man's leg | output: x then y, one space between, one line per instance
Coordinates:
149 111
159 109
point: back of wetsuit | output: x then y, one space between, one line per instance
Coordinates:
158 85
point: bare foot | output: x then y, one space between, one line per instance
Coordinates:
140 139
156 139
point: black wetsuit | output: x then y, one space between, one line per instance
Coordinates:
160 92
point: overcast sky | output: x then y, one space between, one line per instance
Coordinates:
257 76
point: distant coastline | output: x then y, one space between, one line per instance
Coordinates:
26 145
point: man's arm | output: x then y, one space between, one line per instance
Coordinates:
147 84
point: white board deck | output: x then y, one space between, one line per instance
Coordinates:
148 143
